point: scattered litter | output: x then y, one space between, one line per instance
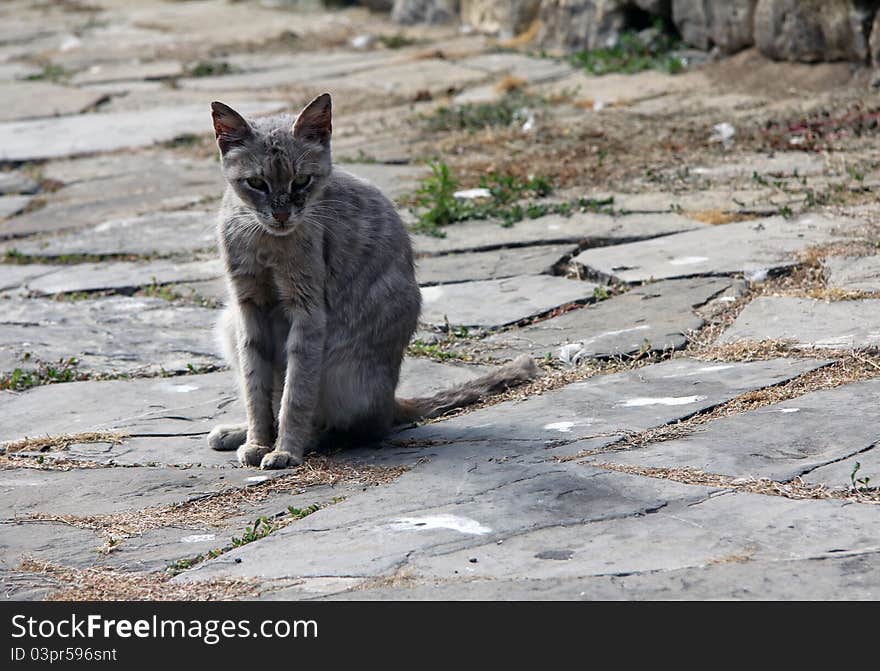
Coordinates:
463 525
198 538
562 427
598 105
758 275
362 41
668 400
570 354
472 194
70 42
724 133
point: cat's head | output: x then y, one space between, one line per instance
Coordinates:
276 166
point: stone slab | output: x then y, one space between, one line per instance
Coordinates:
149 234
553 229
96 193
25 492
51 542
491 265
122 276
854 273
92 133
284 70
841 474
780 441
808 323
393 180
13 276
494 303
17 182
132 70
12 205
457 499
410 79
655 317
533 70
722 529
851 577
754 248
32 100
153 407
167 418
110 335
605 406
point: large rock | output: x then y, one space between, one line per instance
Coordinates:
581 24
726 24
424 11
875 41
814 30
504 17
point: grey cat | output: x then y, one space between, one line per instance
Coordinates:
323 295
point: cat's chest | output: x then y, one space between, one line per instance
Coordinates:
271 276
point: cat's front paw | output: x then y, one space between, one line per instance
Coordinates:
279 459
251 454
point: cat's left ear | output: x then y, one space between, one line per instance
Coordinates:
229 126
314 122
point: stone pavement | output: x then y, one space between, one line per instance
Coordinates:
707 320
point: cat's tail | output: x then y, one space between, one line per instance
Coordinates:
519 371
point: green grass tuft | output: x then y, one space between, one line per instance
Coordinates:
633 54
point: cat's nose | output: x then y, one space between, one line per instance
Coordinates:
281 217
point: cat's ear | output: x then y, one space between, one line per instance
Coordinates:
229 126
314 122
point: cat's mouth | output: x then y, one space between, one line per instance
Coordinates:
279 229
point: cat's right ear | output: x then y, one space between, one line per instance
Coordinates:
229 126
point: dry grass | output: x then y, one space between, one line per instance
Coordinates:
719 217
211 511
796 489
510 83
103 584
50 462
62 441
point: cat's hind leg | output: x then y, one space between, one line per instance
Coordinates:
357 399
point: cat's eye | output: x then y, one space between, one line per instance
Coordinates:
301 182
258 184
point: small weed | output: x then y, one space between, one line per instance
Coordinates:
419 348
396 41
186 140
261 528
439 206
163 291
50 72
210 69
601 293
633 53
436 195
299 513
62 371
513 106
861 484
